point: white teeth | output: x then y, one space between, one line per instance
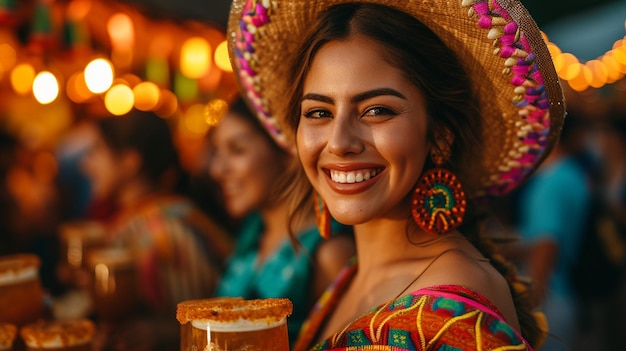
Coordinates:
352 177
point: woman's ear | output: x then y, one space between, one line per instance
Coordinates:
442 145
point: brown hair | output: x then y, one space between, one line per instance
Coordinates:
452 108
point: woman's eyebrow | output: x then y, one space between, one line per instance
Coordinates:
317 97
377 92
357 98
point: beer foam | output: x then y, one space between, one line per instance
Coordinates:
241 325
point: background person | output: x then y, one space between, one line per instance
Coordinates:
178 251
253 172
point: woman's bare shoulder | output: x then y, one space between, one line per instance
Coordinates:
458 267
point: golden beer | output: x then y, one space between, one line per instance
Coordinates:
233 324
21 294
74 335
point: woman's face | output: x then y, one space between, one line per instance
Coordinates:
244 164
102 167
362 132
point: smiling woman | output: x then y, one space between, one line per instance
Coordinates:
405 122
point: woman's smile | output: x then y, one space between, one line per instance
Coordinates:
352 176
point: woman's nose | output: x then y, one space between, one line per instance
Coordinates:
345 135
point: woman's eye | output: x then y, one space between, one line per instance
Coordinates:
317 114
379 111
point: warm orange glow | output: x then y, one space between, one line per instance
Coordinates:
119 100
130 79
147 96
195 57
581 81
168 104
613 67
214 111
572 71
162 44
606 69
8 56
76 88
600 73
78 9
562 62
121 31
45 87
22 77
554 50
122 58
221 57
194 119
45 167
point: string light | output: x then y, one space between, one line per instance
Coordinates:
606 69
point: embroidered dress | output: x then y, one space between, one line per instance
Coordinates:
178 251
446 317
284 273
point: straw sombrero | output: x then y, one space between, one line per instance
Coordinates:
497 41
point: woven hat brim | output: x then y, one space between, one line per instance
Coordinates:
498 42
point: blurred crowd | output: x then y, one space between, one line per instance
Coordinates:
113 193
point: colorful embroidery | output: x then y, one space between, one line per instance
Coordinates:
437 318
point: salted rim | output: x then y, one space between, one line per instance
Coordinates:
56 334
18 268
229 310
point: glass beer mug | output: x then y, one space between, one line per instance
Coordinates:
21 293
75 335
78 238
234 324
114 288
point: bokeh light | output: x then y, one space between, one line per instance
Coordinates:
119 100
214 111
147 95
22 77
99 75
222 59
195 57
45 87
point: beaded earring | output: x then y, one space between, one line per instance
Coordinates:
322 217
438 203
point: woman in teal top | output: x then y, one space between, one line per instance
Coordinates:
255 173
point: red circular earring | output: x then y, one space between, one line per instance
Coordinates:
438 203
